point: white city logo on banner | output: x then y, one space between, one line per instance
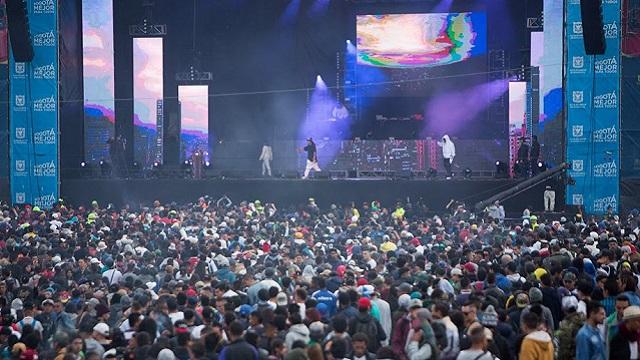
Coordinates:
44 201
45 72
578 199
606 101
611 2
606 135
603 204
47 104
45 137
44 39
19 68
607 169
20 101
45 169
577 99
611 30
577 166
578 62
21 198
21 133
20 166
577 132
577 27
607 66
44 7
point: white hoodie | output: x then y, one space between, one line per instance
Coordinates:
448 147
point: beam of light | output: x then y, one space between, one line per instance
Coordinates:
324 123
319 7
449 113
443 7
351 49
290 13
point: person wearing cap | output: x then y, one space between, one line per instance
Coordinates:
589 342
569 327
367 324
624 344
46 319
98 339
535 299
312 158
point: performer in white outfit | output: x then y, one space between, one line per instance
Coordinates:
312 158
448 153
549 199
266 157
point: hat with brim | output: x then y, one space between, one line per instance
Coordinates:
631 313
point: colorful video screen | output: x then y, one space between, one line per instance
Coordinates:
147 104
194 122
419 40
98 80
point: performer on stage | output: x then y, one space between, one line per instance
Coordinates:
266 157
312 158
448 154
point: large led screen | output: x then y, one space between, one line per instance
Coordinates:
194 122
419 40
98 80
147 104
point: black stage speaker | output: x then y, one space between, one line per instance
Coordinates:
19 33
592 27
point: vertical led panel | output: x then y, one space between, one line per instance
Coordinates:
517 107
147 94
98 79
194 122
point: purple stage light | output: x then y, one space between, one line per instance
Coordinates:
443 7
290 13
450 112
320 84
319 7
351 49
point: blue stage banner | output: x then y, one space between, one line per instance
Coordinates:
34 113
593 115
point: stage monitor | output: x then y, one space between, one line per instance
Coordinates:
148 103
194 122
98 78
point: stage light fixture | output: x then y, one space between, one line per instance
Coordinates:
207 164
467 173
542 166
83 164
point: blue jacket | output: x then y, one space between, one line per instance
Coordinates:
589 344
326 297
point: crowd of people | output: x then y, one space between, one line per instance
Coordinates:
218 279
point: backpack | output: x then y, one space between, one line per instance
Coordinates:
440 334
369 328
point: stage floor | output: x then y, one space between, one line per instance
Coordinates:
435 193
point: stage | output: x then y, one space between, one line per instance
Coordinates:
435 193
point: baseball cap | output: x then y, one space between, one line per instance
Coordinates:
101 328
522 300
415 303
364 303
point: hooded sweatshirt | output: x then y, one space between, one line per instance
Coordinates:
448 148
297 332
537 346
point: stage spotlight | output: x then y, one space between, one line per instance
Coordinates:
156 164
105 168
467 173
542 166
348 41
83 164
207 164
185 165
